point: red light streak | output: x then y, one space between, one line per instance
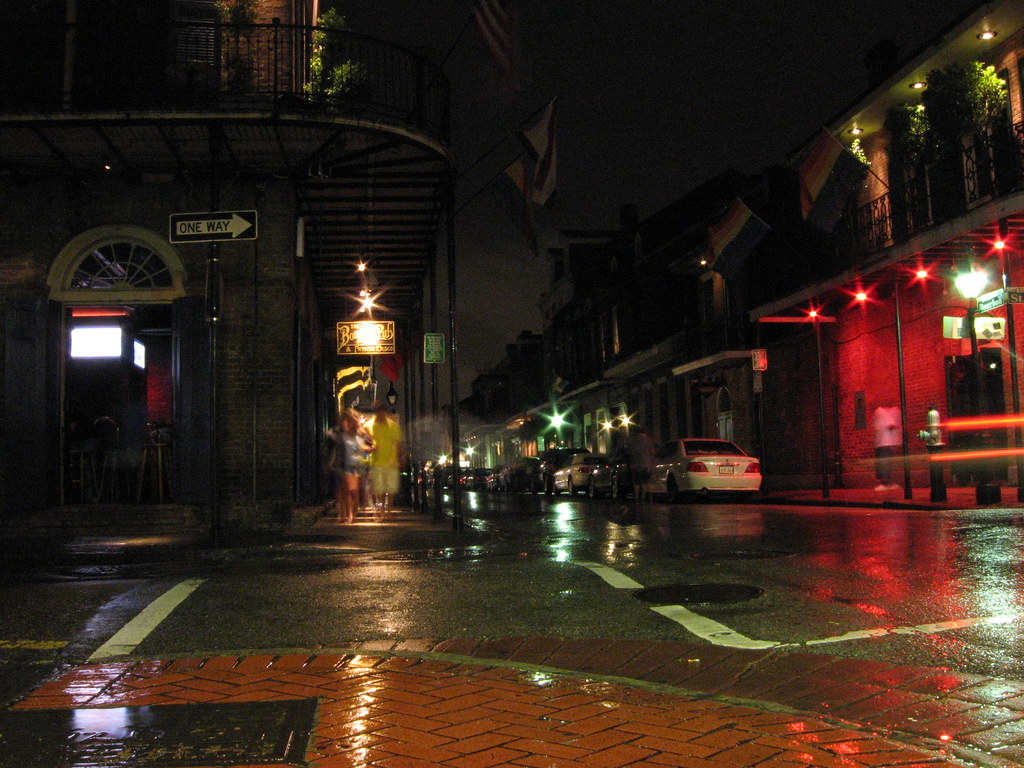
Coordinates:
99 312
995 453
984 422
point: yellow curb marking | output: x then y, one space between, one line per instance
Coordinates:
33 645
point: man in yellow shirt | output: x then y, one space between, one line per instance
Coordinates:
386 458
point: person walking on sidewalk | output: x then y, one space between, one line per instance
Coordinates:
349 446
386 458
887 441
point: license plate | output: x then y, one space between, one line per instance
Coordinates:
727 469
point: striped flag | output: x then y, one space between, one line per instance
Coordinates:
513 187
498 25
541 145
828 176
734 237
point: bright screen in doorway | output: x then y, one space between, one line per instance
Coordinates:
96 341
139 354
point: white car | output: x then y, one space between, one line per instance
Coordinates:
574 477
704 465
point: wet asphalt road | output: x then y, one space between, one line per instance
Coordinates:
910 587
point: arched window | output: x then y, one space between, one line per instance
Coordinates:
117 264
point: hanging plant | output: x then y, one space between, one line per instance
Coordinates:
239 17
332 78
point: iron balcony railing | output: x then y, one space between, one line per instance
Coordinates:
923 197
214 66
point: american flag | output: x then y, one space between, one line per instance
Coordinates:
498 26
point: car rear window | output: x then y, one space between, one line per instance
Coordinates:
712 448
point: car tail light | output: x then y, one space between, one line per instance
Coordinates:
752 467
586 470
696 466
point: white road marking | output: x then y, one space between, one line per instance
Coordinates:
127 639
709 629
920 629
613 577
719 634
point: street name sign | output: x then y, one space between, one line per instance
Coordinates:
991 300
210 227
997 298
366 337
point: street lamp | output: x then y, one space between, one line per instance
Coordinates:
971 284
392 396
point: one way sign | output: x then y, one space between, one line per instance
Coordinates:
207 227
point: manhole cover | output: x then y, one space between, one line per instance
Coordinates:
741 554
690 594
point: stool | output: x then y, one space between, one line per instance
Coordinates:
111 475
155 457
82 471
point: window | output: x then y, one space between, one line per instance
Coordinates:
117 264
725 426
616 347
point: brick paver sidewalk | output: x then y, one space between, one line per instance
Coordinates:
422 707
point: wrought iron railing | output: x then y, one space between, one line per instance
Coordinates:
918 199
214 66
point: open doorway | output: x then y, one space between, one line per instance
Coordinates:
117 403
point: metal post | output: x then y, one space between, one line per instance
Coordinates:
453 415
984 492
1014 379
213 316
821 412
907 491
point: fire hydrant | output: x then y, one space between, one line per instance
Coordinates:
932 437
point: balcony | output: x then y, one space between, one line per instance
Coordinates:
990 167
365 147
217 67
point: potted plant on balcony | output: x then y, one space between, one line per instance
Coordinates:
239 19
333 77
966 105
962 115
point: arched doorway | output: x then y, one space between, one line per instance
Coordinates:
117 287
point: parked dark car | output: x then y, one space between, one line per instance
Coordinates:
522 475
614 479
494 479
474 479
553 460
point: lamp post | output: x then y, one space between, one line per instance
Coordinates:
1000 245
971 284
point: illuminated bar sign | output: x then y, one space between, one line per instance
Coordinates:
366 337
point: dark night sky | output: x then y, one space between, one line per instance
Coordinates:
654 96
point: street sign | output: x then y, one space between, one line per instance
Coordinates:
366 337
992 300
759 359
1015 295
433 347
209 227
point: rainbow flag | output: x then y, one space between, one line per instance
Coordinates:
828 176
514 188
734 237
